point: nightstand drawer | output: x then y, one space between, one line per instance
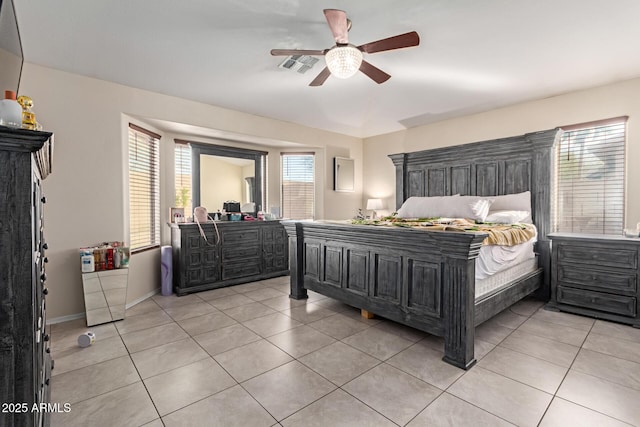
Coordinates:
594 255
607 281
617 304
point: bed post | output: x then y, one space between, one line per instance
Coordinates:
459 296
542 197
400 162
296 266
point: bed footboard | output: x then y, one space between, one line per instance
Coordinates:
422 279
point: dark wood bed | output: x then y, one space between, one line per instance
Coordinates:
426 279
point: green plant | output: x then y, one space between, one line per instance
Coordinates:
182 197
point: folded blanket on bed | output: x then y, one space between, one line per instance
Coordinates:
499 234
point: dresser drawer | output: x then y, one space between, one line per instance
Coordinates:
241 237
240 252
595 255
237 270
609 282
617 304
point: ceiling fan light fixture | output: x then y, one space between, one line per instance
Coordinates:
343 60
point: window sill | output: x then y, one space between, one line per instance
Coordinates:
144 249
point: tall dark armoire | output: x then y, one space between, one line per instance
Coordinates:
25 361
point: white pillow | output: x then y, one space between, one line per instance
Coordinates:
480 207
471 207
421 207
513 202
506 217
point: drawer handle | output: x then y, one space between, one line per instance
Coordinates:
46 337
43 199
45 291
43 276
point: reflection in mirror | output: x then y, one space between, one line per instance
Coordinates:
232 178
343 178
105 295
222 174
10 48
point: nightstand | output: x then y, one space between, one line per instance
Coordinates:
595 275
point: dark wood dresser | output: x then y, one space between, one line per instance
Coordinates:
25 361
596 275
245 252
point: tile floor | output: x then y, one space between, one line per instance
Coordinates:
250 356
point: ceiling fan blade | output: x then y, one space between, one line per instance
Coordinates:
396 42
321 78
337 20
374 73
291 52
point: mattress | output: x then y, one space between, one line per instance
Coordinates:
496 281
494 258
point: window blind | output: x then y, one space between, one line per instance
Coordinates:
265 188
298 185
183 177
144 188
590 181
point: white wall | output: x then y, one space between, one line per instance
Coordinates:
86 192
603 102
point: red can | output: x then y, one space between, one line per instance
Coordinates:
110 259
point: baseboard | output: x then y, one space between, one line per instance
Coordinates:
65 318
142 298
81 315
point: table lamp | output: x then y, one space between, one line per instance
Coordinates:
374 205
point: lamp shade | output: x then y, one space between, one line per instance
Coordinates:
343 61
374 204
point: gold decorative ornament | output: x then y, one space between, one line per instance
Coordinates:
28 118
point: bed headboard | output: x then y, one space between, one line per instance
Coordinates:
487 168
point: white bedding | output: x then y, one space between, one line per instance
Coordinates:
494 259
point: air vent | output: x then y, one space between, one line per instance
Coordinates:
299 63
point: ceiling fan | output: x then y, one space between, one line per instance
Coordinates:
344 59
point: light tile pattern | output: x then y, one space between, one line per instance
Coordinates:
252 359
248 355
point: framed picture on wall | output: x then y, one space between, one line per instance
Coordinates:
176 215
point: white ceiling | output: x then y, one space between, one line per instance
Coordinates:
473 56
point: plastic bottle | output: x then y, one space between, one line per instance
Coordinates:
88 262
10 110
117 257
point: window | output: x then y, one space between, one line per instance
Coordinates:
144 188
183 177
590 178
298 186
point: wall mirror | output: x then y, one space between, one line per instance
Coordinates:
105 295
343 174
221 173
10 48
